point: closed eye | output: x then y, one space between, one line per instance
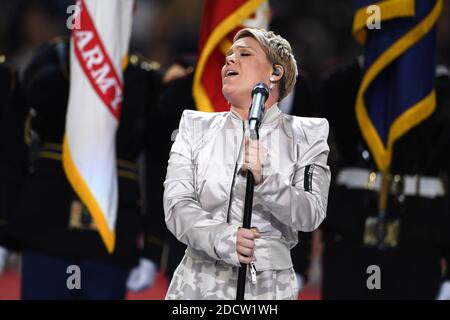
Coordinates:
244 54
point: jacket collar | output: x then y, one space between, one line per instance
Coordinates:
270 116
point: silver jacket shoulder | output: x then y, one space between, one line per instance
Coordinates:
307 128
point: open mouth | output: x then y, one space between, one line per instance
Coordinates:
231 73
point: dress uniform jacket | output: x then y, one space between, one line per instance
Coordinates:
163 248
204 200
417 217
50 218
13 151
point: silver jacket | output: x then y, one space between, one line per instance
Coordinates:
204 189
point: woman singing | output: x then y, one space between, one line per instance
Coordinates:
205 183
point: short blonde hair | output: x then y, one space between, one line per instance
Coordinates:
278 51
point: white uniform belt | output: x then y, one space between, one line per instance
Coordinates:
407 185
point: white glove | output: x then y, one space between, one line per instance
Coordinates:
3 258
300 282
444 291
142 276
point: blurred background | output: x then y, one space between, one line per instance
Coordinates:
318 30
163 30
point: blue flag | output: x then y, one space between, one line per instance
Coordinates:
397 89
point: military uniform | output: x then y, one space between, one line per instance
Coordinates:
52 224
13 151
163 247
417 219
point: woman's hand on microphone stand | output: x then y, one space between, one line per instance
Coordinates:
255 156
245 244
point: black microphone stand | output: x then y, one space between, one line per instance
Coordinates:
259 95
247 220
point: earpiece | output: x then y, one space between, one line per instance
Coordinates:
276 72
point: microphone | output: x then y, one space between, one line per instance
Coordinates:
259 94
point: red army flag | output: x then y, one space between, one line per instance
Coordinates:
99 46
